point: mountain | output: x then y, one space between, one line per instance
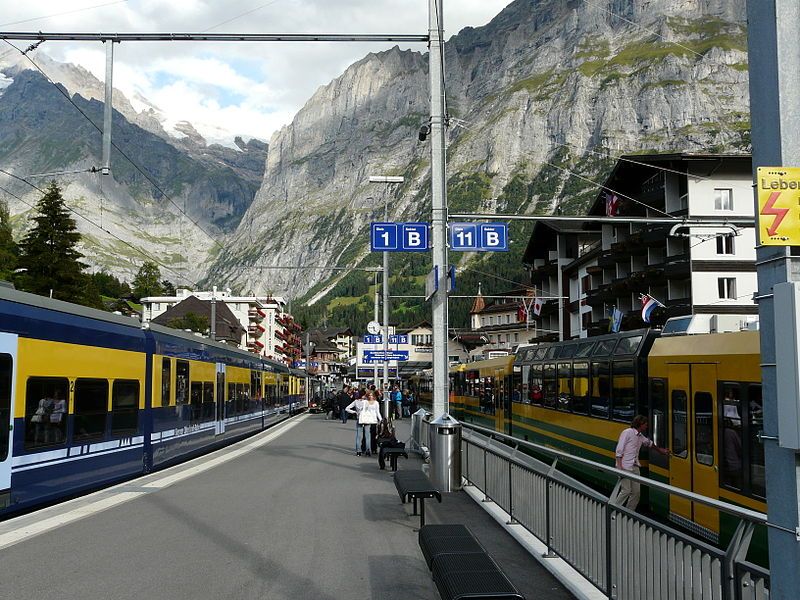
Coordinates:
541 100
169 198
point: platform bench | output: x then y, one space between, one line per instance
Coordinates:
393 454
473 575
447 539
415 485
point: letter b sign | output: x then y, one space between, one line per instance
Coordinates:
494 236
415 237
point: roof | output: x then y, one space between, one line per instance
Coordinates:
544 236
228 327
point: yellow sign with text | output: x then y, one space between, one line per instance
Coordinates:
779 206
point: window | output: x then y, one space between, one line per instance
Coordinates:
727 288
585 285
156 306
45 411
208 402
491 320
5 403
680 438
703 428
732 459
628 345
623 392
601 386
658 400
90 409
725 244
535 384
125 407
580 387
756 425
196 401
166 383
550 386
564 386
181 382
723 199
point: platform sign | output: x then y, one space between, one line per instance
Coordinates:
373 339
398 339
384 237
778 206
414 237
494 237
373 356
463 236
484 237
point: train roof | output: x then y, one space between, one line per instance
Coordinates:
707 345
625 343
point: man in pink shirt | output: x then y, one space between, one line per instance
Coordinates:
630 442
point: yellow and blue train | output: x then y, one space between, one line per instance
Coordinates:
701 392
89 398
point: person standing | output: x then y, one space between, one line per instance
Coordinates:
630 442
343 398
397 401
370 415
355 408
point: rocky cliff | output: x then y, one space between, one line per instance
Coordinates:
542 99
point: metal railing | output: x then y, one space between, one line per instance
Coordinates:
626 555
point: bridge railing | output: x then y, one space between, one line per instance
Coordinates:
626 555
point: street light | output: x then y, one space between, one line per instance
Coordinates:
386 179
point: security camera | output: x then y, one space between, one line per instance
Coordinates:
423 132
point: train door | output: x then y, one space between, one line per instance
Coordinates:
219 425
8 363
512 396
693 434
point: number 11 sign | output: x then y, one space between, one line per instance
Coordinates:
467 237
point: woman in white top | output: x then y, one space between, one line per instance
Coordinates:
370 415
354 408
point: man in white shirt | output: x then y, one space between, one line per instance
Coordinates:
630 442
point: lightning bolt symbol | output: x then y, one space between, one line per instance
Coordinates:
779 213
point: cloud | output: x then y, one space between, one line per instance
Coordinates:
228 89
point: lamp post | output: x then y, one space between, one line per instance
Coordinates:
386 179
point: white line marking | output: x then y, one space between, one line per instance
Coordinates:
20 529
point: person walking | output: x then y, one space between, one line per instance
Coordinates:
397 401
355 408
630 442
343 398
370 415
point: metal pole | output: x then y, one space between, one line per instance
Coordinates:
108 109
214 314
774 58
308 366
377 301
439 201
386 398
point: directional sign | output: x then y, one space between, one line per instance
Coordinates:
384 237
415 237
494 237
463 236
779 206
380 356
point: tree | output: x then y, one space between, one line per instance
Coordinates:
167 288
8 248
147 281
50 257
191 321
110 286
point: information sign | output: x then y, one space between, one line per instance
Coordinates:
415 237
372 356
494 237
399 237
398 339
491 237
778 206
463 236
383 237
374 339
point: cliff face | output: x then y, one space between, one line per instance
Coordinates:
548 93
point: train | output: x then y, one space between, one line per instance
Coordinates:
701 392
90 398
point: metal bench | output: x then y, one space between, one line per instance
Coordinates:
415 485
473 576
393 454
447 539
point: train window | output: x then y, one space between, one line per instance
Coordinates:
550 387
680 440
196 401
580 387
125 407
208 402
540 353
181 382
604 348
568 351
166 383
90 409
623 392
564 386
703 428
628 345
601 388
246 405
46 411
239 403
658 400
5 403
535 384
231 402
551 352
755 417
732 459
584 350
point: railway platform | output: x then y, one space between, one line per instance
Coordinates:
289 513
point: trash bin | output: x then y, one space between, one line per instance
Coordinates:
445 445
419 434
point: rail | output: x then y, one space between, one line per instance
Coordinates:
626 555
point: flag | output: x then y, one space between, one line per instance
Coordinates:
616 320
522 313
612 205
537 306
649 304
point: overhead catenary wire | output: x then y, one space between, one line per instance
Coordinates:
61 14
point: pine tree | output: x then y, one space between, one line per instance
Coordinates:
8 248
147 281
49 254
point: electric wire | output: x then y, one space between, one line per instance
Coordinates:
91 221
244 14
61 14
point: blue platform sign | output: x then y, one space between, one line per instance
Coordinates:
463 236
471 237
371 356
373 339
415 237
383 237
494 237
400 338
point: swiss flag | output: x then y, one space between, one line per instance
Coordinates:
537 306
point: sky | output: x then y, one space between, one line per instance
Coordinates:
229 89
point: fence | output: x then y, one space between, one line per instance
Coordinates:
624 554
